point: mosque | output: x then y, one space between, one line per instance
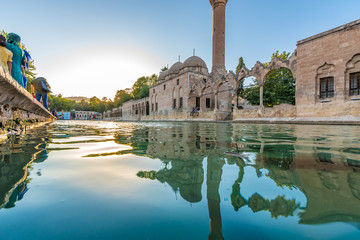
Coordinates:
326 68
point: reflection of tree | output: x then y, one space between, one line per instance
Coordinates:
138 139
283 207
277 207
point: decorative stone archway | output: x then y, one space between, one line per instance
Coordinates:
260 72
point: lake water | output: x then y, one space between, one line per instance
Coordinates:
106 180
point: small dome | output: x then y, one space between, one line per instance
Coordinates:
175 68
163 74
195 61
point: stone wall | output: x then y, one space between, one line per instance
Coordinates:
18 104
335 53
278 111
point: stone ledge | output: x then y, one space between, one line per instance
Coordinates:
16 102
303 120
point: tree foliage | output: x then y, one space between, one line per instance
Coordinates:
279 86
60 103
140 89
122 96
240 65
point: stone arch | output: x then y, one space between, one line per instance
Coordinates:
224 92
352 69
279 67
207 100
261 71
181 97
192 98
147 108
152 103
174 100
156 103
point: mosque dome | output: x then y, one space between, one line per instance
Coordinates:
163 74
175 68
195 61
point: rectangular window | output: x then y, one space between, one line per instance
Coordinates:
174 103
154 90
355 84
181 102
177 82
327 87
208 103
164 86
152 107
156 106
198 102
204 81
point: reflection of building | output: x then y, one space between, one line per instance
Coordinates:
327 179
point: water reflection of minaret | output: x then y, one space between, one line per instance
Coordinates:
213 178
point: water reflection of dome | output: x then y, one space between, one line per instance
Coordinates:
188 179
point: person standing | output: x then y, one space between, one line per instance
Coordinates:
13 44
41 88
5 55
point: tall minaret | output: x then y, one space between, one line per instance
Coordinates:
219 7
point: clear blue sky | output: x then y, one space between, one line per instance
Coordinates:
88 48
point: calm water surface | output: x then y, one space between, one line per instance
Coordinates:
104 180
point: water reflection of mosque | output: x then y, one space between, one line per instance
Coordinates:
16 157
326 173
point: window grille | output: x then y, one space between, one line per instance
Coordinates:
355 84
327 87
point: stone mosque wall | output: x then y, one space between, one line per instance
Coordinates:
332 56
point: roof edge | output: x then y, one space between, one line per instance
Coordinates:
331 31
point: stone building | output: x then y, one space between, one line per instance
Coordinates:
86 115
328 73
326 68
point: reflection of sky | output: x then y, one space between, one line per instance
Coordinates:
79 197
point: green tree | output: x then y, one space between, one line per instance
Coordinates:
60 103
279 86
238 68
240 65
164 69
96 105
140 89
122 96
